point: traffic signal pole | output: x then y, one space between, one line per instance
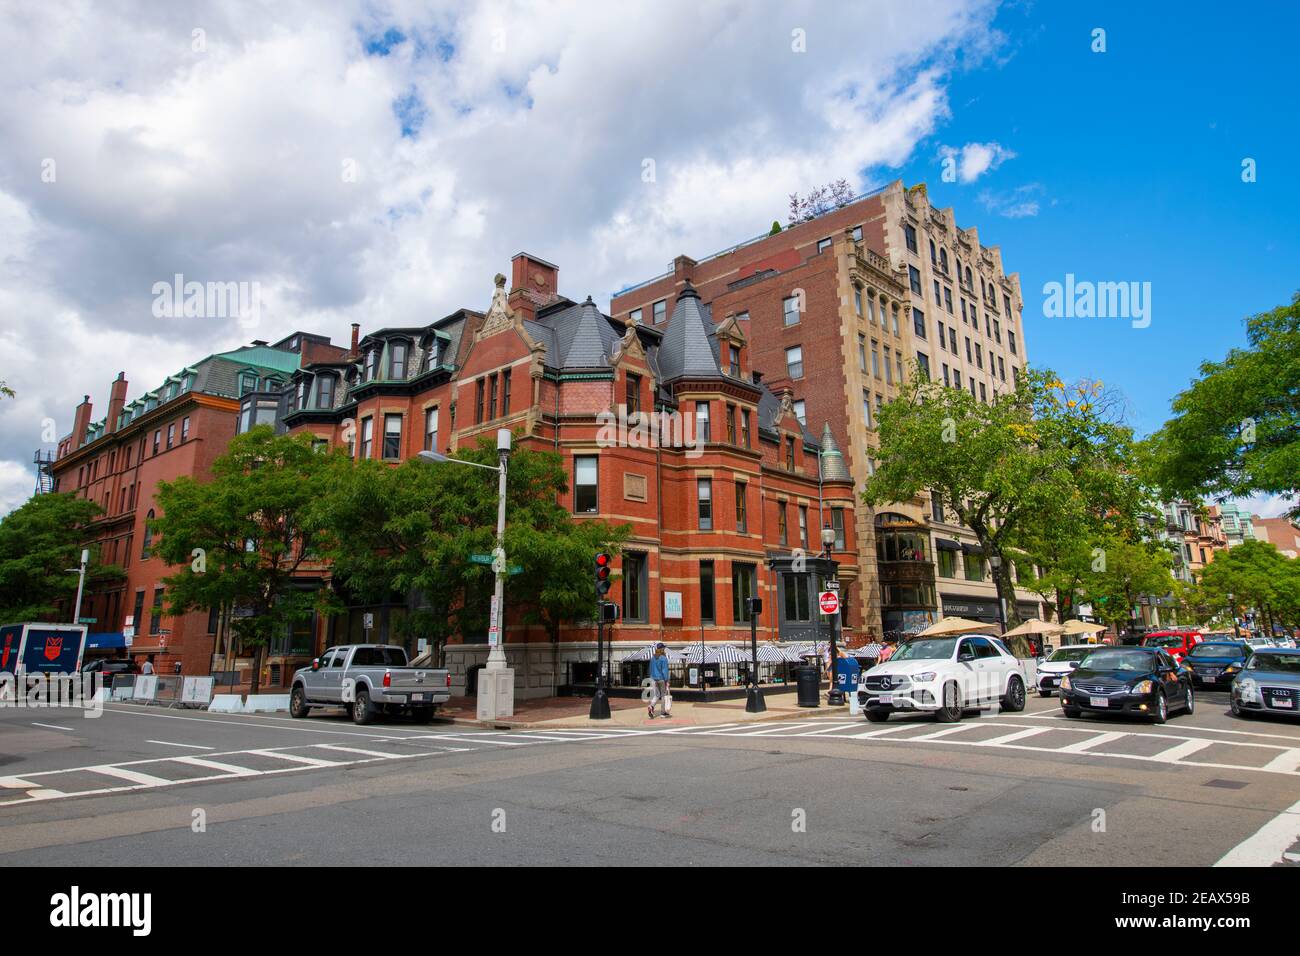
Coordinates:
599 698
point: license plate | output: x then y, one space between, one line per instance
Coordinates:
1209 675
1283 702
417 698
886 699
1098 702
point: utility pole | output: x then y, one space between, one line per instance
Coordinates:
81 584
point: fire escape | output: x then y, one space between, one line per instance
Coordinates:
44 463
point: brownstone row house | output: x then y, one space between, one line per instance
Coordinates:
176 429
839 310
670 429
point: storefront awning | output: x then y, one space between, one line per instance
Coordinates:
971 548
105 641
943 544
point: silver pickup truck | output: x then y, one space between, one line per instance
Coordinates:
369 679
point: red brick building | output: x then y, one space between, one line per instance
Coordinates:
176 429
669 428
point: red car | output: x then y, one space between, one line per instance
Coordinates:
1178 643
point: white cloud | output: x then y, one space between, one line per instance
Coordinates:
1013 203
531 120
975 159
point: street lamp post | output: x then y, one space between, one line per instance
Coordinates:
995 563
496 651
835 696
1232 609
754 703
81 584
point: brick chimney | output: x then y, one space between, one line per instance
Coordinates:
356 339
116 402
80 421
534 283
684 268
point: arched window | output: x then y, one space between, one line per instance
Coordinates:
943 259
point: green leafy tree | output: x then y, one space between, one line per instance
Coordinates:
1043 456
38 543
1236 431
5 390
412 529
1125 570
238 540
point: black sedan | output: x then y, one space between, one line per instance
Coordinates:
1215 663
1138 681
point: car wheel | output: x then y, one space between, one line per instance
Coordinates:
298 703
362 710
951 710
1189 701
422 715
1161 713
877 715
1014 700
1071 711
1044 693
1238 710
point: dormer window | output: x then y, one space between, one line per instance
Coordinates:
371 358
734 353
325 391
397 361
301 397
247 383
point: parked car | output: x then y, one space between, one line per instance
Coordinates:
369 679
1178 643
1255 643
108 668
1139 681
1062 661
1270 682
1284 641
944 676
1215 663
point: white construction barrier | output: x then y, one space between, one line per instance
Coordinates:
197 690
265 703
226 704
146 687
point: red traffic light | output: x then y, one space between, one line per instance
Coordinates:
602 560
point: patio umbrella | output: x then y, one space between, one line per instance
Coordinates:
809 649
1035 626
713 654
645 653
1081 627
771 654
954 625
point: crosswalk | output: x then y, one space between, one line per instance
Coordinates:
155 772
1204 747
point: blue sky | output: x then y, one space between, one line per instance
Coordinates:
1134 158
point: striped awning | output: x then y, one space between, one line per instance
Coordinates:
713 654
647 652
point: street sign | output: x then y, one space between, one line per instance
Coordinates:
88 620
832 585
480 559
829 602
494 623
368 621
128 632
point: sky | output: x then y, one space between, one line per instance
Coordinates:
380 162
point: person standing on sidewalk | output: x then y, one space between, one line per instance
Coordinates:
659 675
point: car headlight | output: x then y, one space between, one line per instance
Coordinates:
1231 667
1065 683
1248 689
924 677
1141 687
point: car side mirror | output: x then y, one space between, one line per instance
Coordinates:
965 656
1073 664
315 663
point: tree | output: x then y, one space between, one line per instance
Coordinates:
413 528
5 390
38 543
1125 570
238 540
1236 430
1044 456
776 227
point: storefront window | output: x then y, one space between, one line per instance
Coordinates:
947 563
974 567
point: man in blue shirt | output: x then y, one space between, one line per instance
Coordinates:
659 676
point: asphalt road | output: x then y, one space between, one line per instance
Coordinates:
147 785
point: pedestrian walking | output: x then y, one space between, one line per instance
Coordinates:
148 666
888 650
659 682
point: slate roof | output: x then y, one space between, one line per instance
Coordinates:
578 336
689 347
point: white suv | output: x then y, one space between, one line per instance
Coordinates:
944 676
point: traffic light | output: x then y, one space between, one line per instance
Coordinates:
604 563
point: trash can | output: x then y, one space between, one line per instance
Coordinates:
809 687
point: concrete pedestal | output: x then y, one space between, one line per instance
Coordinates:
496 693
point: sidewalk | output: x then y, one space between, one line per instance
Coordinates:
556 712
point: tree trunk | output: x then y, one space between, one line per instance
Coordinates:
256 684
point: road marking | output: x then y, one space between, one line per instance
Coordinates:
51 726
297 758
883 731
1096 740
217 765
826 730
170 743
1269 842
1185 749
1286 762
935 734
1208 730
1007 738
17 783
130 776
358 750
240 722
